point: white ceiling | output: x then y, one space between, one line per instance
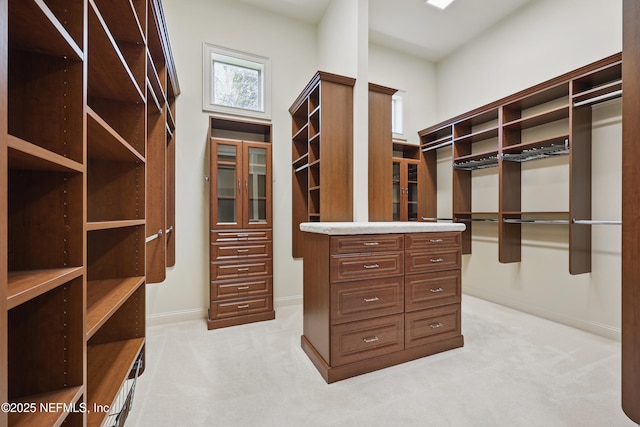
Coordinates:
411 25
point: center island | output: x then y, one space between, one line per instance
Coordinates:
378 294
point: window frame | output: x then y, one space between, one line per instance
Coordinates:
212 53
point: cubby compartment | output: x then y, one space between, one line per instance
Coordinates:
115 191
45 353
107 248
70 14
43 87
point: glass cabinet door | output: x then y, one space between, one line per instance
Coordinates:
226 171
257 185
397 191
411 192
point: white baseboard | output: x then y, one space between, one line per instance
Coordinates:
176 316
596 328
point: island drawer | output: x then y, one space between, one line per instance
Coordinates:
356 341
423 241
356 267
432 289
428 326
367 243
421 261
351 301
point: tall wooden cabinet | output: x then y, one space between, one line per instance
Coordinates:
241 278
74 168
322 159
549 119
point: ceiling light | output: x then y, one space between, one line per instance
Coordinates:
439 3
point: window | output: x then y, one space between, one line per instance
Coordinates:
397 115
235 82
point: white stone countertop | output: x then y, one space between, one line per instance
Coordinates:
346 228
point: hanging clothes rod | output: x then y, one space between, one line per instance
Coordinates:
169 230
596 222
435 147
476 219
301 168
436 219
535 221
154 236
595 99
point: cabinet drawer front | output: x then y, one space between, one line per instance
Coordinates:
432 289
243 288
367 243
233 270
239 307
427 326
228 251
432 240
360 300
419 262
355 267
240 235
355 341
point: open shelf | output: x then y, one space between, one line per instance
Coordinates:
108 366
537 149
27 156
105 143
29 284
105 297
542 118
122 184
69 396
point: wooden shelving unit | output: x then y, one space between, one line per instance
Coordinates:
407 182
74 163
550 119
322 158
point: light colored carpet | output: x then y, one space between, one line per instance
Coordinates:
514 370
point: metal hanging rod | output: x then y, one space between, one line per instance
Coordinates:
154 236
483 163
538 153
301 168
595 99
436 219
596 222
476 219
535 221
169 230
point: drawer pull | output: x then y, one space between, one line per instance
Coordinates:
243 235
242 250
435 291
242 288
371 243
370 340
371 266
374 299
436 241
436 325
243 306
436 260
243 269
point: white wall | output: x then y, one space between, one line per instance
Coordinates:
292 47
544 40
416 76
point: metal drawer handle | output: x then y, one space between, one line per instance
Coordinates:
374 299
371 243
243 306
435 291
436 325
370 340
243 235
243 269
436 260
371 266
242 250
242 288
436 241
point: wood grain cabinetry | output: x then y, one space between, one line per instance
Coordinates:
241 256
75 166
322 158
376 300
549 119
407 183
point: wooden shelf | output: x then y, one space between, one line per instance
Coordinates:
539 119
51 38
26 285
105 143
108 366
68 396
109 225
122 20
109 74
25 155
477 136
105 297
